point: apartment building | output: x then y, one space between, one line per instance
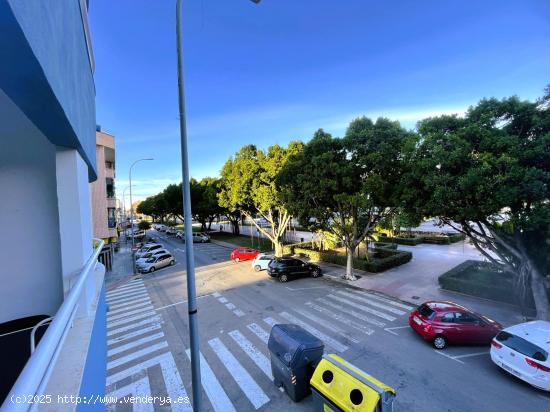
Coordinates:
104 201
52 284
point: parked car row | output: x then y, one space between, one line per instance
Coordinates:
153 256
198 237
521 350
283 269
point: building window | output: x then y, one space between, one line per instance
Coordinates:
110 185
111 217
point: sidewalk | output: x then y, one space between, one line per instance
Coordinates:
417 281
122 271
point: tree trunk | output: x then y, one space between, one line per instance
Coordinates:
349 264
540 296
236 229
278 248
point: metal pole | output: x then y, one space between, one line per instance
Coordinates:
187 225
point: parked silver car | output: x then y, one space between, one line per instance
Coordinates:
155 262
149 247
155 252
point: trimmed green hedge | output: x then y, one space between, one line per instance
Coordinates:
384 245
424 237
384 259
481 279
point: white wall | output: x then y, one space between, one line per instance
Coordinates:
30 255
75 215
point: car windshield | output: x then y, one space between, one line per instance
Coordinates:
522 346
151 260
425 311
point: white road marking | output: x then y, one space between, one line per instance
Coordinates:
230 306
122 315
372 302
351 312
390 330
172 379
139 388
222 299
313 287
130 319
128 298
118 292
133 334
248 385
343 319
323 322
153 319
239 313
216 294
447 356
270 321
129 307
145 299
391 302
134 344
259 332
340 347
363 308
181 301
253 353
214 390
471 354
136 355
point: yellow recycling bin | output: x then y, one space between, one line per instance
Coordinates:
339 386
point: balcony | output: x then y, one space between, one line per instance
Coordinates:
65 361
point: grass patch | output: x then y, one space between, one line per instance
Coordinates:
262 244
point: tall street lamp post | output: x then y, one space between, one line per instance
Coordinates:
132 212
186 192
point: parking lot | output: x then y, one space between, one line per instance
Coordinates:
148 340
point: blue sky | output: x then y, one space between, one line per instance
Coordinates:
277 71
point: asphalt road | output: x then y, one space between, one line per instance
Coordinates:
148 339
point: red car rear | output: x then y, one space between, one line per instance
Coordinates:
445 323
243 253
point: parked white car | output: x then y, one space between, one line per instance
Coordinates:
171 231
522 350
149 247
155 262
155 252
197 237
261 261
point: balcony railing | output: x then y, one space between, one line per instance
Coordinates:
111 222
32 381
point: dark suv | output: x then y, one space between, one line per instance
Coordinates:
285 268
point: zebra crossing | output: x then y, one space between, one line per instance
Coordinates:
235 360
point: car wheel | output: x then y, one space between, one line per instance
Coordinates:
439 342
237 259
283 278
152 269
316 273
257 268
172 262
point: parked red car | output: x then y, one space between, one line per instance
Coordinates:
445 323
243 253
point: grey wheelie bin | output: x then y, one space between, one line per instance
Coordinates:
294 354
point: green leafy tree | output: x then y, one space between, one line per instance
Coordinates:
154 206
173 200
249 188
488 176
204 198
347 185
144 225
